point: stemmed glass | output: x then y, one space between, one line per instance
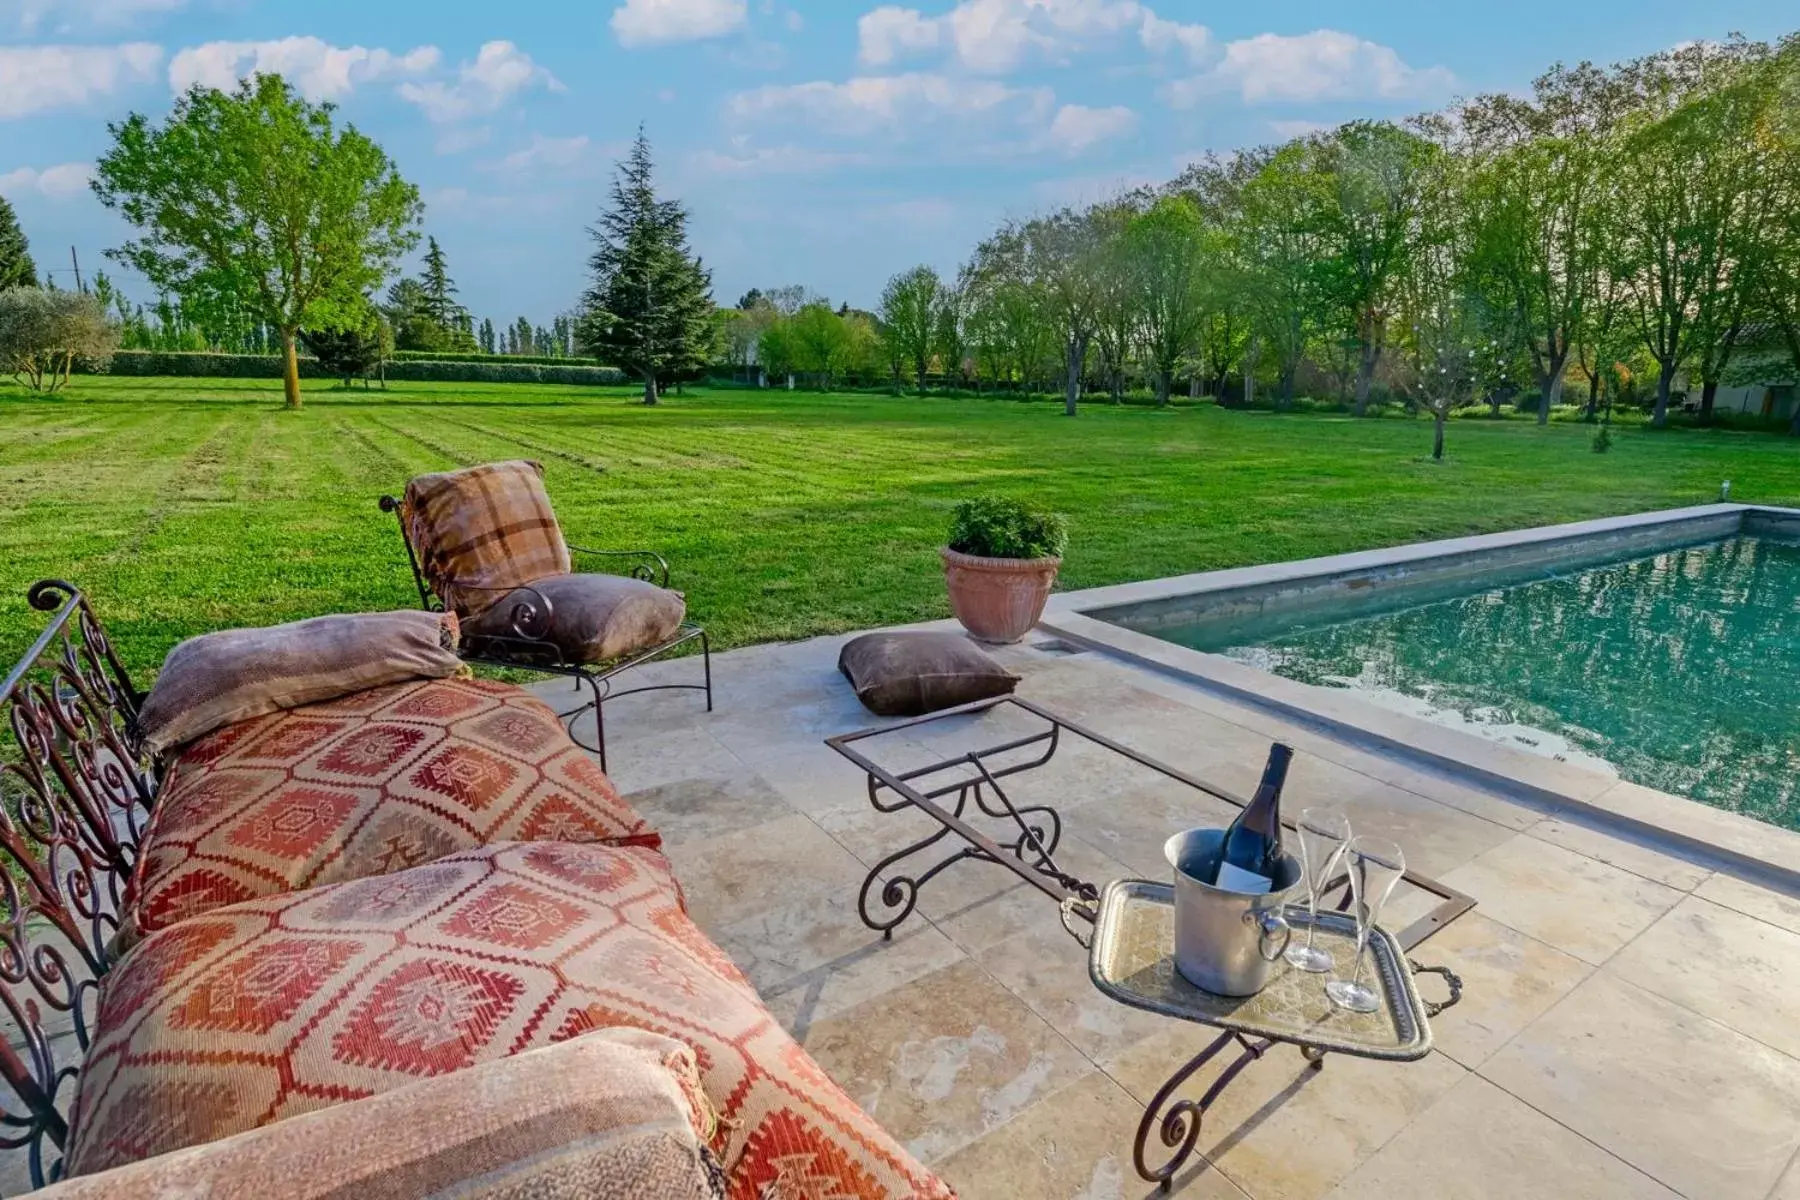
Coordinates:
1376 865
1323 832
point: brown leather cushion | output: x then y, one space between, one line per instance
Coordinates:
219 679
908 674
594 617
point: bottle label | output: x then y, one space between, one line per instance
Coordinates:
1236 879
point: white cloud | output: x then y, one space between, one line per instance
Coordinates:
68 179
1323 65
318 69
997 36
500 71
548 153
1077 128
889 33
31 17
1161 37
657 22
37 79
742 159
893 103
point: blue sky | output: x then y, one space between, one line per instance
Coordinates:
824 142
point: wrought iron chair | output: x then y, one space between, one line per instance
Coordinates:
75 795
530 646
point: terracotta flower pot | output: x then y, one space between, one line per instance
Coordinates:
998 599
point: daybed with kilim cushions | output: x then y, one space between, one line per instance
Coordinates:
405 942
485 544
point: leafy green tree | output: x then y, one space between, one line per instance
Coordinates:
257 196
43 332
1066 261
821 342
16 267
486 339
523 339
1275 236
649 308
1375 173
1166 249
909 309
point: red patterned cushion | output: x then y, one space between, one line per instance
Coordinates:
289 1004
371 783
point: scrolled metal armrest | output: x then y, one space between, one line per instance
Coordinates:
644 570
532 617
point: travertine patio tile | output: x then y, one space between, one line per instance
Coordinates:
1479 1143
1621 850
1705 1110
1789 1187
1131 825
739 875
815 779
1074 1145
638 761
1765 904
1282 1130
1738 970
1578 905
691 810
1435 839
1048 969
945 1060
1509 981
979 904
813 959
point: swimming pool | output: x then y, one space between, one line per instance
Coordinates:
1680 669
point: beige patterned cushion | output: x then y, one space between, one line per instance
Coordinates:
593 618
262 1011
616 1114
364 785
482 531
217 679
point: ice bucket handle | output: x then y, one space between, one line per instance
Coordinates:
1272 926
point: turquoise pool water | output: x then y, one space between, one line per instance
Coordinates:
1682 670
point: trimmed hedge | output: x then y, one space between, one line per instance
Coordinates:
485 369
539 360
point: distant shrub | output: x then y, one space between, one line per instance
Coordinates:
996 527
540 360
1603 439
45 335
484 369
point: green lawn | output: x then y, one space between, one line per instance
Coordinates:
186 505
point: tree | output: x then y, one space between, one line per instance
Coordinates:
908 311
821 342
1165 250
257 196
1275 236
1375 172
16 268
438 304
1065 258
486 339
42 333
354 353
649 308
1447 351
524 339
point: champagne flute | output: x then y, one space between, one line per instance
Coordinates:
1376 865
1324 832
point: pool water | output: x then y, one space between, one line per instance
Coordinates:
1681 670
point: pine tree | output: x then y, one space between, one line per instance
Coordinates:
16 267
440 290
649 308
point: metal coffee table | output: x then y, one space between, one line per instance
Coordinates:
1128 926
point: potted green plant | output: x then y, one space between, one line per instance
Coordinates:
1000 565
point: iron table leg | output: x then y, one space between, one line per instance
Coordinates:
1177 1122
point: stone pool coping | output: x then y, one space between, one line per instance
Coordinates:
1745 845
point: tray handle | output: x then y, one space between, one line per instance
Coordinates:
1451 980
1081 908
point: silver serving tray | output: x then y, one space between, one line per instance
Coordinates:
1132 960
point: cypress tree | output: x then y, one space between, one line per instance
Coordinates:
648 311
16 267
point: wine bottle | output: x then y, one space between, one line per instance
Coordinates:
1252 851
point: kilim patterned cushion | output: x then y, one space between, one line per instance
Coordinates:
364 785
289 1004
483 531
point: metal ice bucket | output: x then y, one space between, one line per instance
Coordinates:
1226 942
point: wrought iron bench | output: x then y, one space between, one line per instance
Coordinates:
530 646
75 793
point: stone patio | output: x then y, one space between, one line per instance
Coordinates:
1631 1027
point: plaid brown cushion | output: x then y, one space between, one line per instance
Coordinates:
482 531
